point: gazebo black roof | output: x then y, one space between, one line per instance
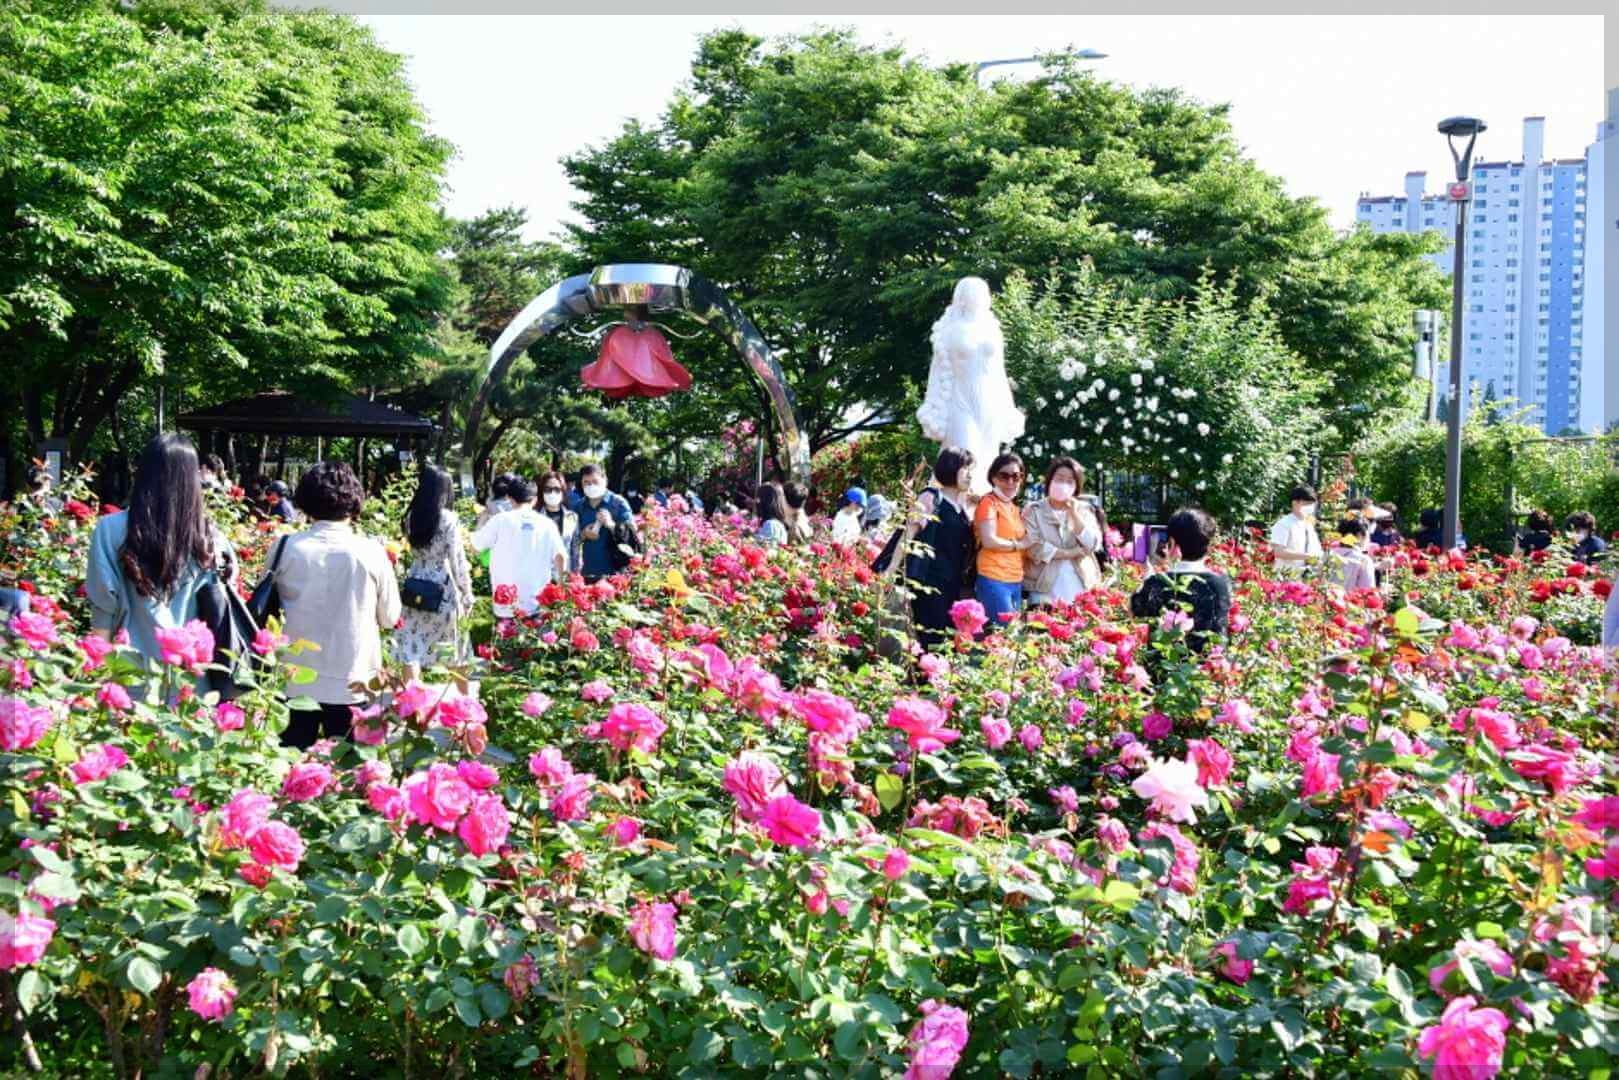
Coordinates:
278 412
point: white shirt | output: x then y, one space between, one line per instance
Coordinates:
338 591
524 547
846 527
1293 533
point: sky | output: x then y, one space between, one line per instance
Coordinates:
1334 105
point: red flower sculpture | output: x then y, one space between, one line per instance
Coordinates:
635 361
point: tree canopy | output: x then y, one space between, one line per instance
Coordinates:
839 190
234 196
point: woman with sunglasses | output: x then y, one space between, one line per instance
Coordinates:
554 505
1002 540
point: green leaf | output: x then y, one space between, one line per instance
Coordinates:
849 1040
143 975
410 939
890 790
1120 895
750 1052
493 1000
302 676
705 1045
467 1009
30 988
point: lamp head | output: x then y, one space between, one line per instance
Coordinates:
1462 125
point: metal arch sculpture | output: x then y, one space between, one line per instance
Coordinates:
654 287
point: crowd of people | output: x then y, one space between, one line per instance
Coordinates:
150 563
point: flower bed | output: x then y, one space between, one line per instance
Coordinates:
1358 838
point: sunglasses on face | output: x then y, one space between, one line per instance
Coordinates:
1009 476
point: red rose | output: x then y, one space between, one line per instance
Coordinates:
860 608
505 594
1576 570
1601 588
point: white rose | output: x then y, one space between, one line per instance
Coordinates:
1202 429
1135 379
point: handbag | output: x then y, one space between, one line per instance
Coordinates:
626 544
886 558
422 594
227 617
265 603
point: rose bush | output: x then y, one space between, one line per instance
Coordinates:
1363 835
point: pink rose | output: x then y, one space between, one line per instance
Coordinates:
307 780
753 780
923 723
968 616
95 652
23 939
549 766
1239 714
652 928
1066 798
386 800
114 698
243 816
36 630
789 822
277 846
596 691
265 642
1321 775
896 863
189 646
824 711
633 726
484 826
1031 737
478 776
1488 953
624 831
536 704
1173 789
1238 971
228 716
22 725
936 1041
415 700
255 874
1155 726
1213 761
212 994
438 797
997 732
1467 1043
461 710
98 762
1112 833
571 800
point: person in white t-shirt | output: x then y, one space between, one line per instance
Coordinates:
1293 539
525 551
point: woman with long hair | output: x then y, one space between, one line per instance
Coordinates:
438 555
771 508
148 562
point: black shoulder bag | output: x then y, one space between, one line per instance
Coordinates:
265 603
227 617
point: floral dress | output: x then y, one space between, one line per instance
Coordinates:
444 561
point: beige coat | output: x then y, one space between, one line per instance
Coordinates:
1062 530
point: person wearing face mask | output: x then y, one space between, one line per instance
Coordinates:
604 526
1002 541
554 505
1062 564
1589 548
1293 539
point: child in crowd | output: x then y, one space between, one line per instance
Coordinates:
1355 567
1188 584
846 524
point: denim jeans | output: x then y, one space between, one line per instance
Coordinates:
999 598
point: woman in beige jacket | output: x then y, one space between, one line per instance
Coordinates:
1062 562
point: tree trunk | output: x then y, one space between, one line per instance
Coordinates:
483 464
99 406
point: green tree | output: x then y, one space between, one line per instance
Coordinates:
838 190
236 196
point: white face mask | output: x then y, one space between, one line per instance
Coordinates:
1307 510
1061 490
1580 535
595 491
553 499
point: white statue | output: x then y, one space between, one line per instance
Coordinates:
969 402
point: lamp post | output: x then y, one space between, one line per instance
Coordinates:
1082 54
1460 192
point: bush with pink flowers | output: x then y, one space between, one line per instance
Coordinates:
1363 835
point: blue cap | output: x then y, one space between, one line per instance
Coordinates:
856 496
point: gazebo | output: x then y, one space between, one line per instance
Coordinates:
277 413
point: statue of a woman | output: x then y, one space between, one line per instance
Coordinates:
969 401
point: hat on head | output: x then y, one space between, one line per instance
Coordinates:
856 496
1380 514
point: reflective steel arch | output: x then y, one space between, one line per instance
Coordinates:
657 287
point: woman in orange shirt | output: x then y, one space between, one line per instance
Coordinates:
1002 540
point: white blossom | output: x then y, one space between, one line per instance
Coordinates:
1113 394
1135 379
1202 428
1181 418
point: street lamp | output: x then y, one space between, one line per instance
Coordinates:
1082 54
1460 192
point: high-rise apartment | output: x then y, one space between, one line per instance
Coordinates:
1525 281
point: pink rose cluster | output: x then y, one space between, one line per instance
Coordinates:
452 798
652 929
1312 881
189 646
23 939
271 845
97 763
568 793
1467 1043
936 1041
753 780
631 725
211 994
21 724
1173 789
924 724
